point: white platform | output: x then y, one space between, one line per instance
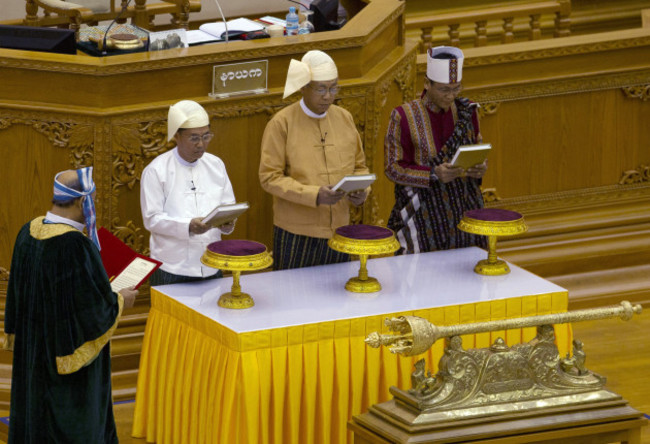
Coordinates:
317 294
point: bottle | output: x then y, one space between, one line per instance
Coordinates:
303 29
293 22
306 27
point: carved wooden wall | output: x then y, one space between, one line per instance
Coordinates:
60 112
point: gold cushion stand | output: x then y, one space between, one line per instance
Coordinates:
236 256
363 240
492 222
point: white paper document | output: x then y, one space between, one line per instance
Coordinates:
196 36
224 214
133 274
240 24
355 182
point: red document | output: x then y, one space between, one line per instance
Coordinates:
125 267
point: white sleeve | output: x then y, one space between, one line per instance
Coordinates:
152 201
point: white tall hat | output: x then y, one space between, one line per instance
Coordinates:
185 114
445 70
315 65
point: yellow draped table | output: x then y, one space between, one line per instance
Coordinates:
294 368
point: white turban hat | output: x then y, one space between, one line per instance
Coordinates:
314 66
445 70
185 114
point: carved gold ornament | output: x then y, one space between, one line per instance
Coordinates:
640 175
496 380
637 92
490 195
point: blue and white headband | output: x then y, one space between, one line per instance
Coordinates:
64 194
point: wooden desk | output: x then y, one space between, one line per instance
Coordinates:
295 368
617 422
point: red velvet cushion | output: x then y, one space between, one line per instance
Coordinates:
237 247
362 231
493 215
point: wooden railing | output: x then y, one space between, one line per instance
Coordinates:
68 14
452 21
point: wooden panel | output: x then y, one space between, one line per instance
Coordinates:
551 144
33 149
594 242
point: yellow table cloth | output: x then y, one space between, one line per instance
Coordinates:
295 368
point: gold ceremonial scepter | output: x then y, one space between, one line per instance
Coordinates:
418 334
496 380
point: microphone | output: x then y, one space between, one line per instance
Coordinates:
117 17
322 138
193 186
222 18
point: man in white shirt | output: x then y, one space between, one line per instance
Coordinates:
177 190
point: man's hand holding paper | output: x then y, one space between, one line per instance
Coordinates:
129 295
327 196
198 227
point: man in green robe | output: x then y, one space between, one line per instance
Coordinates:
59 317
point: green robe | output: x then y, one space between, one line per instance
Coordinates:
59 317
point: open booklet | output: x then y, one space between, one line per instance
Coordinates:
124 267
212 32
224 214
355 182
469 155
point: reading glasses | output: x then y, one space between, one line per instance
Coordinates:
205 138
321 91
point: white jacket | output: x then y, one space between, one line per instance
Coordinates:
172 192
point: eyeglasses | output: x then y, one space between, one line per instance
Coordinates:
321 91
205 138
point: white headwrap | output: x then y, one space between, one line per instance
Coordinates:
185 114
64 194
314 66
445 70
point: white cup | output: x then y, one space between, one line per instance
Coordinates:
275 30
